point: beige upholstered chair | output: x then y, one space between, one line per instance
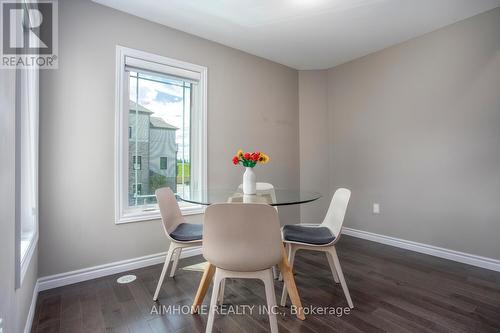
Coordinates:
321 237
180 233
264 188
242 241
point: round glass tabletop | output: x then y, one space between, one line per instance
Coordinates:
273 197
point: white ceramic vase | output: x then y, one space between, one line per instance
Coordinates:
249 181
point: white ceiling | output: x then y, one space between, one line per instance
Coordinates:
305 34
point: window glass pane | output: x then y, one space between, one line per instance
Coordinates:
159 136
28 159
163 163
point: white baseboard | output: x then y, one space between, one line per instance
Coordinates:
31 312
466 258
63 279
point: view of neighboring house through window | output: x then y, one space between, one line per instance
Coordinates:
137 162
163 163
159 140
137 188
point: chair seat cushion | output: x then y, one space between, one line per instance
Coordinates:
185 232
307 234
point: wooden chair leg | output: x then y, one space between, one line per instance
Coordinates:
164 271
336 262
291 259
176 261
208 274
290 284
287 248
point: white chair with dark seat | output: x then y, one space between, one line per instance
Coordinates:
242 241
180 233
322 237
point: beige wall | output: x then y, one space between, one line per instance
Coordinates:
252 104
416 128
413 127
314 138
14 303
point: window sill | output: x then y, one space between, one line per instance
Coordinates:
142 216
27 251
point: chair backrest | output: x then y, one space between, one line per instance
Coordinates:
241 237
336 212
264 188
171 214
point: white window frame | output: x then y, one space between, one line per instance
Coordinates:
27 142
124 214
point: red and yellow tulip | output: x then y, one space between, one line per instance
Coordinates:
250 159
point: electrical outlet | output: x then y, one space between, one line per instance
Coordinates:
376 208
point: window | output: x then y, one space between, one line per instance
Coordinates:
137 161
163 163
137 189
161 132
26 169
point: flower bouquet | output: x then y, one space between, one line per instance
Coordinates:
249 160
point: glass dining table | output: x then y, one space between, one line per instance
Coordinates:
271 196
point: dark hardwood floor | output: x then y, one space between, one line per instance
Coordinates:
393 290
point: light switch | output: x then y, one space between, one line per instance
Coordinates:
376 208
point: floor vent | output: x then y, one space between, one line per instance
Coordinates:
126 279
